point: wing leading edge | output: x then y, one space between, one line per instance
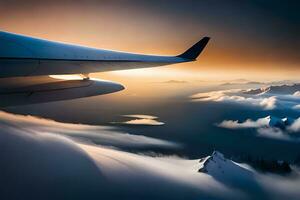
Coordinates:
26 56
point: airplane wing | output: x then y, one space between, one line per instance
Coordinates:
18 91
26 62
26 56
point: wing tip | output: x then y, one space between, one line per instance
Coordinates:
193 52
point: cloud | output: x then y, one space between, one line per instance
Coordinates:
274 133
173 176
103 135
141 116
214 95
247 83
237 96
40 162
141 120
295 127
297 94
41 165
268 98
169 176
281 187
249 123
268 103
296 107
270 127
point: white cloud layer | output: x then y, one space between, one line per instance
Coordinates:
297 107
236 96
295 127
50 165
297 94
268 98
96 134
266 127
249 123
141 120
41 159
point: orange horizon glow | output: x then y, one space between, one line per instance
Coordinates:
141 31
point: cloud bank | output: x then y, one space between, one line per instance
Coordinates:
295 127
249 123
270 127
42 159
297 94
103 135
236 96
268 98
146 120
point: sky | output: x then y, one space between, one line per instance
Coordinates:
259 37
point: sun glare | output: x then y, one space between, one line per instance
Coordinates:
67 77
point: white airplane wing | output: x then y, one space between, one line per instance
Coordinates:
22 56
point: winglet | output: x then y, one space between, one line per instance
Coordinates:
193 52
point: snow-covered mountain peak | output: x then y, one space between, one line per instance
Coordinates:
275 122
218 156
220 167
278 122
291 89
